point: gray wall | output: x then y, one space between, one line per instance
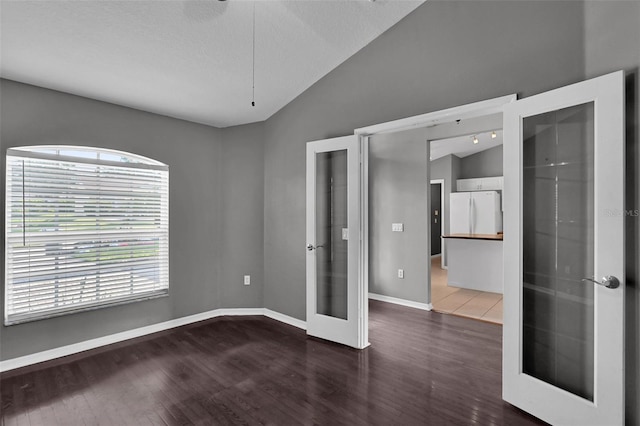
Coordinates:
456 171
214 229
241 217
612 34
485 163
398 194
437 57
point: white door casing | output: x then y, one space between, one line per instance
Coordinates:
532 394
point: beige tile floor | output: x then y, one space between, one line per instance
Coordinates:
460 301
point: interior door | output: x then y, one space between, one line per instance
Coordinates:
336 300
563 344
436 218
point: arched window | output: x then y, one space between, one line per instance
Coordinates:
85 228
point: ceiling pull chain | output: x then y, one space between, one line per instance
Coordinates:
253 64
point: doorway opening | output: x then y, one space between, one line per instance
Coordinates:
469 283
401 225
436 213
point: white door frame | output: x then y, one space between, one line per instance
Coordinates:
443 222
450 115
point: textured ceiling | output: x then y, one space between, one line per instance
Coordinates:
187 59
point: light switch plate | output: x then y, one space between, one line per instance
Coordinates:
345 233
401 273
397 227
247 280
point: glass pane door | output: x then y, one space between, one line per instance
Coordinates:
331 233
558 248
563 329
336 293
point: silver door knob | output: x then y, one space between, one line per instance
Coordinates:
609 281
310 247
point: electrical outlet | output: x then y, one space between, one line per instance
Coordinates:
247 280
400 273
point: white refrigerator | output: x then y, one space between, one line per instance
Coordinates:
477 212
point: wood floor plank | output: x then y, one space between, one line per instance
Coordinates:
422 368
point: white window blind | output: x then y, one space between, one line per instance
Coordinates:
85 228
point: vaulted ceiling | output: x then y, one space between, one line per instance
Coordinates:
190 59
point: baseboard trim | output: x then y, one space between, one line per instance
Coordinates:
48 355
240 311
403 302
285 319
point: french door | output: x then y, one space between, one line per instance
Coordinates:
336 298
563 345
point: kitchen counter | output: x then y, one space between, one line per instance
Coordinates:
490 237
474 261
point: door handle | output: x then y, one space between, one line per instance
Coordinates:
311 247
609 281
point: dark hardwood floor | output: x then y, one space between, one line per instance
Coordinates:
422 368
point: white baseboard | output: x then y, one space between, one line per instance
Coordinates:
23 361
285 319
403 302
239 311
